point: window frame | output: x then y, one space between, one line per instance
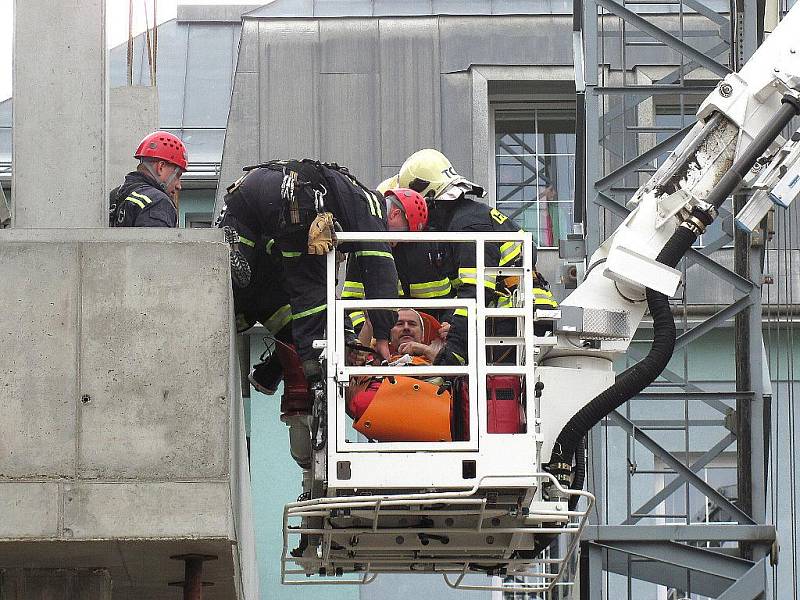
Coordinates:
532 103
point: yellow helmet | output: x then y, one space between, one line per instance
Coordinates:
388 184
430 173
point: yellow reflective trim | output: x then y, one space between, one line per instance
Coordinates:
353 289
509 251
544 297
461 312
135 201
270 244
459 358
504 301
310 311
378 253
357 317
472 281
427 289
291 254
279 319
430 289
247 242
142 197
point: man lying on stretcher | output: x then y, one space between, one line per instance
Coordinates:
407 409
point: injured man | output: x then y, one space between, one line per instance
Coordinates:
403 409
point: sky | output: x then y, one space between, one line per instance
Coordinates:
117 32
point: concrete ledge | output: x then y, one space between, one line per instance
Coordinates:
112 234
29 510
147 510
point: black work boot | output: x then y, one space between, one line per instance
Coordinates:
266 375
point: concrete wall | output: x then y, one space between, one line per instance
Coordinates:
60 116
120 403
134 114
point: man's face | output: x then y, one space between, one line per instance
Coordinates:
395 219
165 172
407 328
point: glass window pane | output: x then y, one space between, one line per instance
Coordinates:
5 144
202 145
534 168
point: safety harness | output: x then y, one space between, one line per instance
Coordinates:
303 191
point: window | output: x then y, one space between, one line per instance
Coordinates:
198 220
535 168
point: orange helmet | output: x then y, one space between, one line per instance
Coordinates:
162 145
414 207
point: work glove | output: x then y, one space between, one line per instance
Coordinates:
321 235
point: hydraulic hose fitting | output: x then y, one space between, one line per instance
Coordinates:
562 472
700 217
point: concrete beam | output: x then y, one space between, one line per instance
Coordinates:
60 117
134 114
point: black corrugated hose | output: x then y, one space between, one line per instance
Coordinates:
639 376
579 473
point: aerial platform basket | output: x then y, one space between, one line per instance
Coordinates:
480 504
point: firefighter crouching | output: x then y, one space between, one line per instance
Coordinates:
298 203
149 195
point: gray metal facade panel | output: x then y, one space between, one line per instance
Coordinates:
405 8
214 13
348 45
288 89
387 172
242 139
285 8
460 7
339 8
409 88
396 8
208 75
516 7
248 48
504 40
457 121
348 133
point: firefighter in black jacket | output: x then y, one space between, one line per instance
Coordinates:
298 203
430 173
148 197
420 277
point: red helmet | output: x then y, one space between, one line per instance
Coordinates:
414 207
163 146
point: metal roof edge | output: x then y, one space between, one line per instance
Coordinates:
210 13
